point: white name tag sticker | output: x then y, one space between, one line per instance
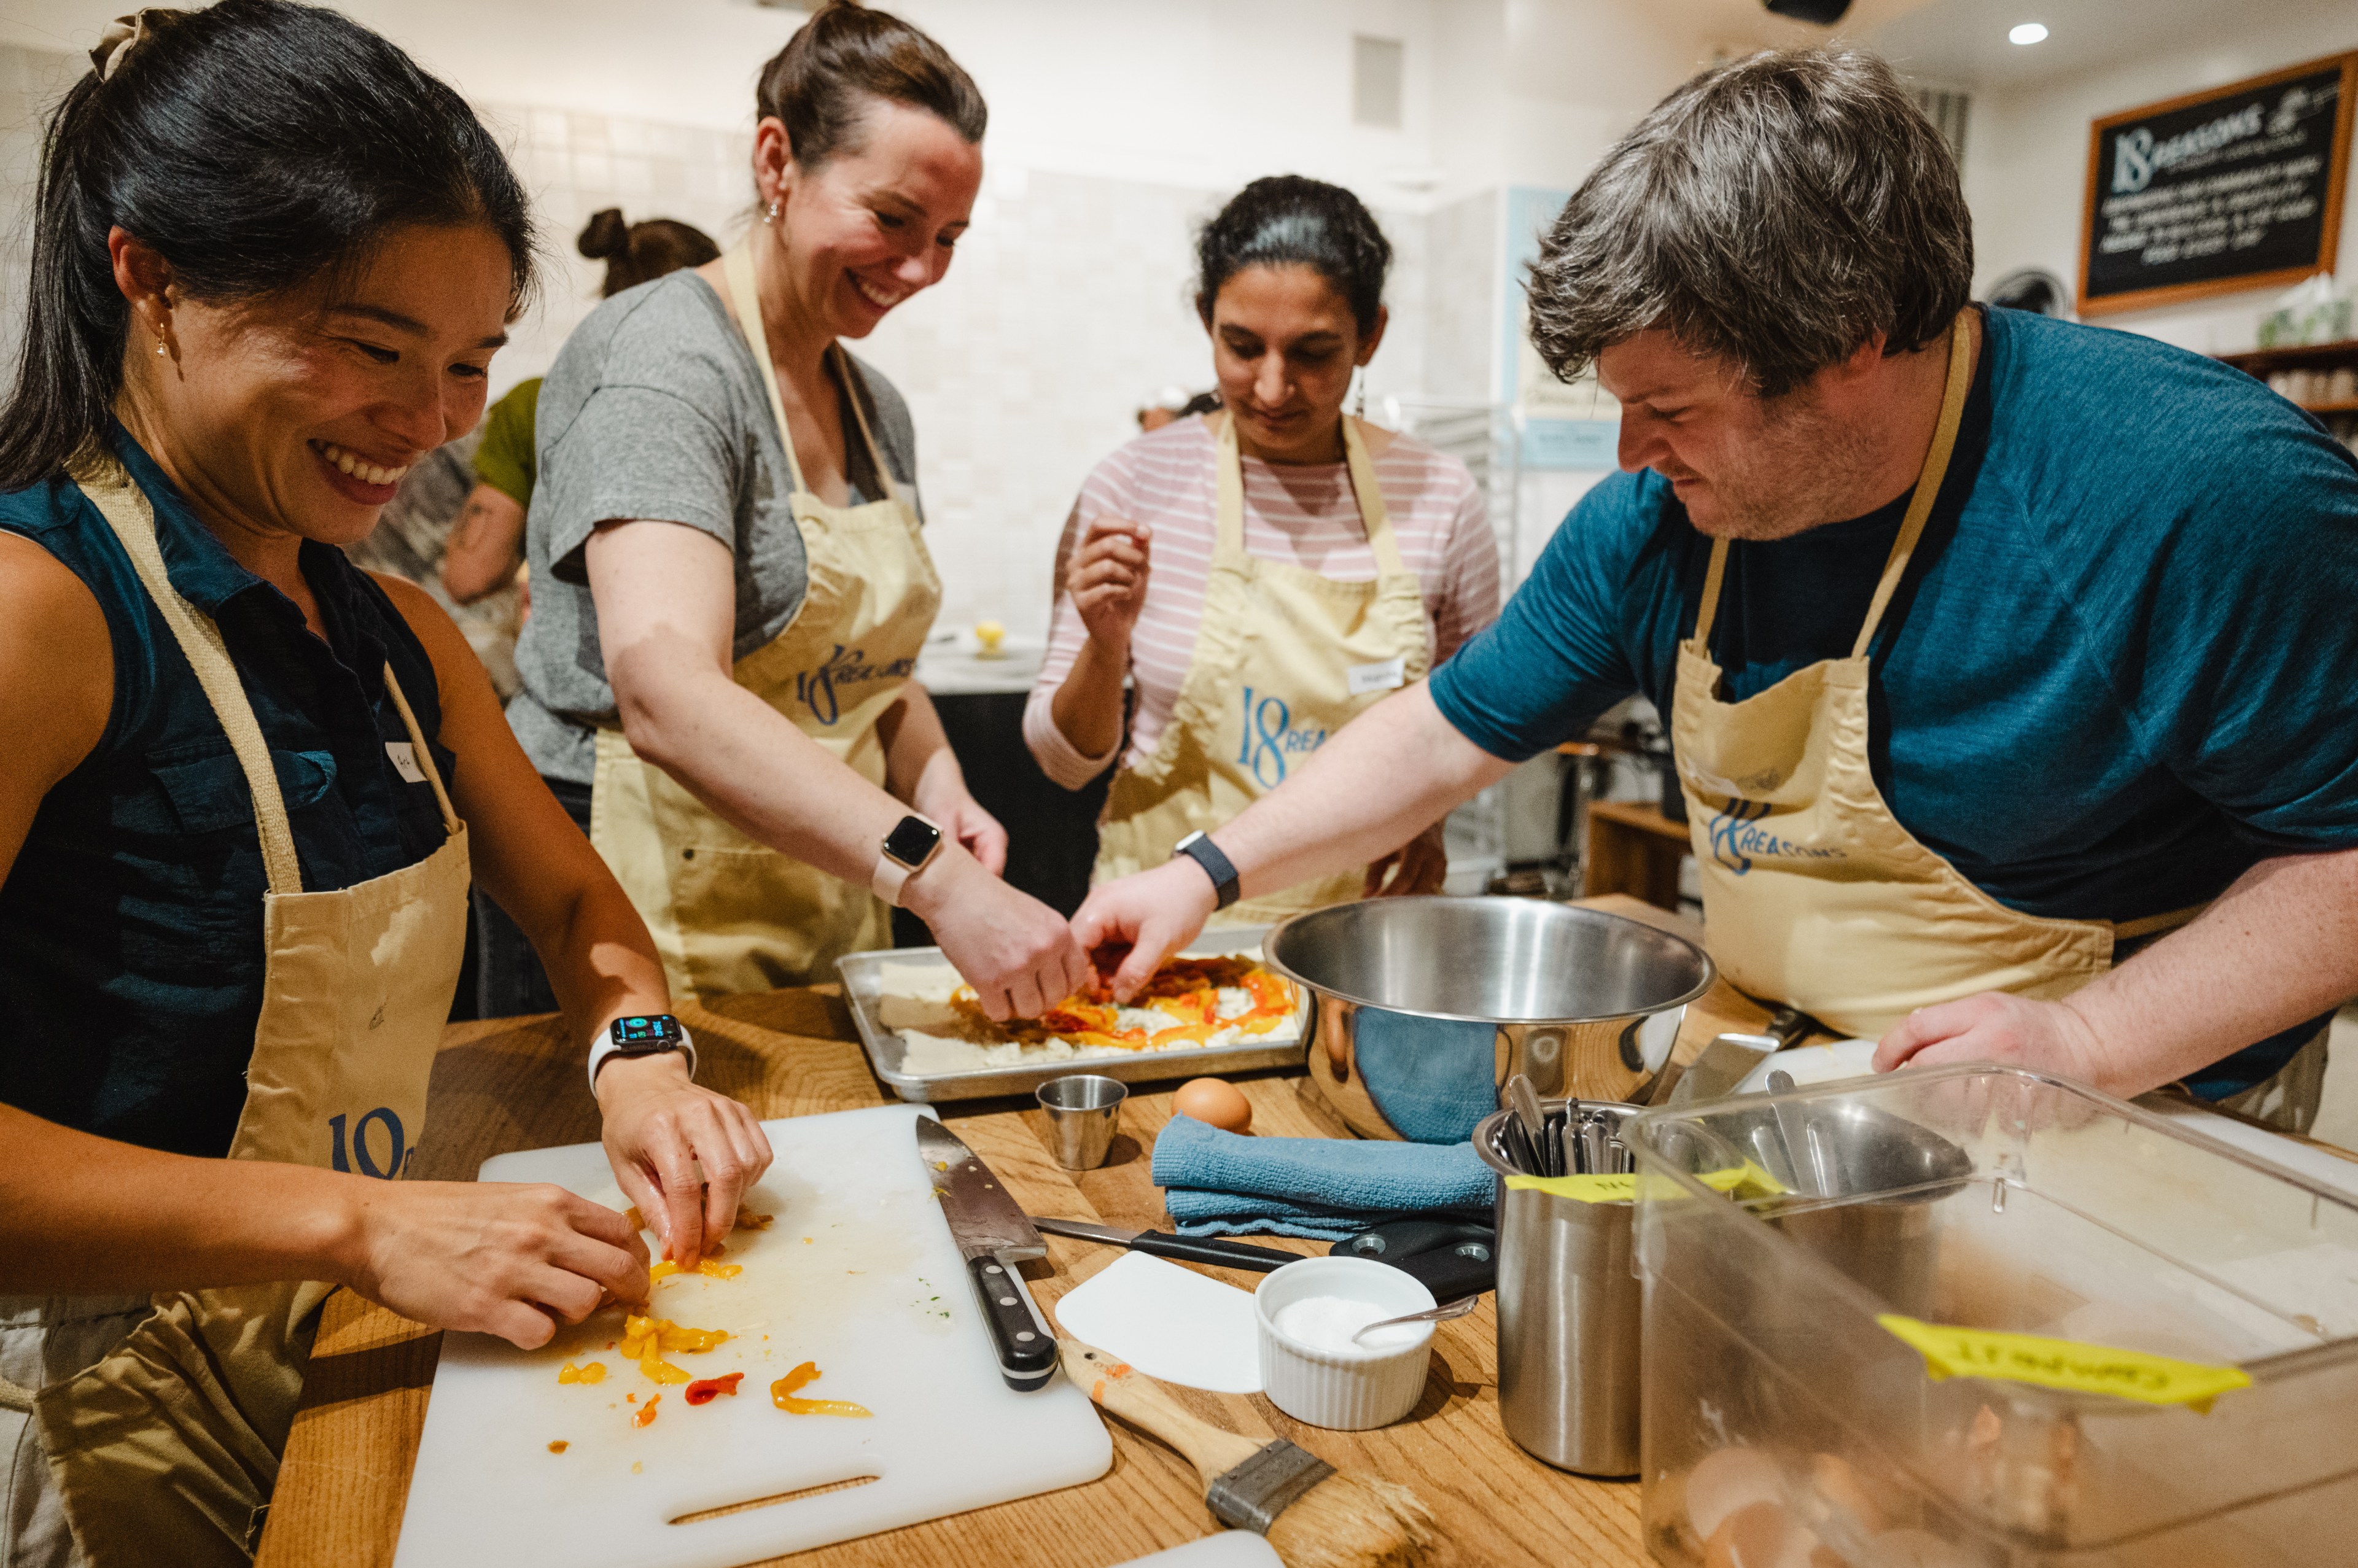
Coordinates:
1385 677
405 760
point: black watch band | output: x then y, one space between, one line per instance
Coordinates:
1199 847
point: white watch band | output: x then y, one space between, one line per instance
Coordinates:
603 1047
891 876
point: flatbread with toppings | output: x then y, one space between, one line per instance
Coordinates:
1192 1003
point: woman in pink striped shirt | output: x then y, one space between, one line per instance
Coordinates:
1263 573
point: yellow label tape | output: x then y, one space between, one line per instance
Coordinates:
2063 1364
1749 1181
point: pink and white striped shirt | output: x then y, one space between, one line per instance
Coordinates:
1302 514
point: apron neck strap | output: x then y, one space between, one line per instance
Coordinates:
1708 610
110 488
852 386
425 753
745 294
1372 514
1920 505
1927 482
1229 491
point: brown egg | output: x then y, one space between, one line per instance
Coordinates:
1727 1480
1754 1536
1216 1103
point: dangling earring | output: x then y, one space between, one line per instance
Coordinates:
772 216
159 345
1360 412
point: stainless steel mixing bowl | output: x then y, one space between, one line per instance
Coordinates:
1422 1007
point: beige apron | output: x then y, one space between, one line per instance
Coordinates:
1284 658
1812 891
727 913
162 1422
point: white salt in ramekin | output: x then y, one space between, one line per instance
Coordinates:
1346 1391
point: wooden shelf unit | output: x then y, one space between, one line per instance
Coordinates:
2262 364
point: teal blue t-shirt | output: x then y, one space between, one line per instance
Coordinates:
2118 671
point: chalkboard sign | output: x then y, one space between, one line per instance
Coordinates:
2236 188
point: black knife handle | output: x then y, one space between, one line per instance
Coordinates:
1208 1250
1026 1345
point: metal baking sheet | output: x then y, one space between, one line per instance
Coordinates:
862 986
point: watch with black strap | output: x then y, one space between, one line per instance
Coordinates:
1199 847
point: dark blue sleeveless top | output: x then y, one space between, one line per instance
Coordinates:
131 957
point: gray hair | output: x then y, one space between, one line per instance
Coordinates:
1780 211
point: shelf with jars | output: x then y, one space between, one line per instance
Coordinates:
2321 377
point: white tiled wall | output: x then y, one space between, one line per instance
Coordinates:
576 164
1070 303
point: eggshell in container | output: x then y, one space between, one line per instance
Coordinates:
1216 1103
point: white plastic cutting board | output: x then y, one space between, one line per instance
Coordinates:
877 1296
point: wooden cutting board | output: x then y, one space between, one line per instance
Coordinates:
857 1273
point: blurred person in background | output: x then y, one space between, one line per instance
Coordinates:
730 582
1173 403
1263 574
484 565
456 525
486 546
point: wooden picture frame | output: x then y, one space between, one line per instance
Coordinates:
2337 179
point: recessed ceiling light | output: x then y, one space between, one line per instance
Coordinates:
2028 33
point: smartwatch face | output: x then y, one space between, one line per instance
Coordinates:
912 841
647 1031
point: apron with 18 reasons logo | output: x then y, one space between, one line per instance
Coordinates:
152 1427
1813 893
1284 658
727 913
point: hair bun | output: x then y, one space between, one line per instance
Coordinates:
605 235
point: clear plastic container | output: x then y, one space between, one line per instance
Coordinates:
1785 1425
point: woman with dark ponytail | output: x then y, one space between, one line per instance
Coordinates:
272 260
730 583
1302 563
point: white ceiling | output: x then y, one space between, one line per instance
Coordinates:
1963 42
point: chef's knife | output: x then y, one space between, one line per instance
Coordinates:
1190 1249
994 1234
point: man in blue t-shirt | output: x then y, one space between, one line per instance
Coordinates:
2005 658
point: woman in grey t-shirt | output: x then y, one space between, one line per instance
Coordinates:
730 588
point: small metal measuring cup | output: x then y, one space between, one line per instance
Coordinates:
1083 1109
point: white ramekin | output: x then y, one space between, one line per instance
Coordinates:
1347 1391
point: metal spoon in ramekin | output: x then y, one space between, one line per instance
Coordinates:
1441 1314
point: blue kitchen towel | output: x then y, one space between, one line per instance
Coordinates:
1432 1078
1220 1183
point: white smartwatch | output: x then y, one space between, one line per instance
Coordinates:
908 848
641 1034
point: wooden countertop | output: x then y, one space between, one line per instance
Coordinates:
517 1083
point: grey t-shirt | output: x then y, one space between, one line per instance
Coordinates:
656 409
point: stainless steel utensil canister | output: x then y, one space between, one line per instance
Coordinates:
1425 1007
1568 1316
